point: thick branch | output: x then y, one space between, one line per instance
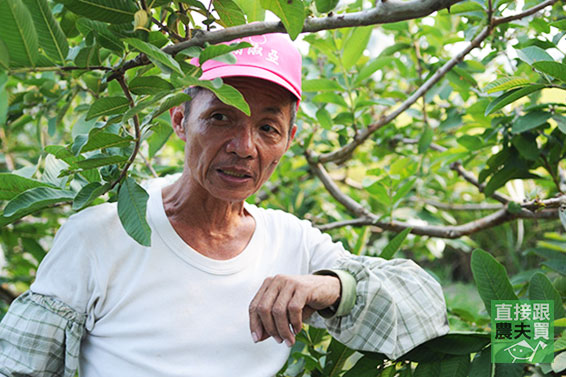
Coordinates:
384 12
538 209
445 231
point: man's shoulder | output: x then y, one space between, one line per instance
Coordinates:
280 220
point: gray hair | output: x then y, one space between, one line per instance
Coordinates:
195 90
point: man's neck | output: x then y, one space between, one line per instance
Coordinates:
216 228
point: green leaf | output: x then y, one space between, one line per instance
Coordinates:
225 93
370 68
104 36
394 244
505 83
169 102
541 288
154 54
355 45
215 51
324 118
160 134
335 357
51 38
290 12
425 139
530 121
88 193
11 185
330 97
112 11
470 142
559 363
455 366
512 96
427 369
325 6
554 69
107 106
481 364
253 9
561 122
229 12
556 265
35 199
364 367
100 159
4 57
98 139
18 33
149 85
533 54
491 279
132 205
319 85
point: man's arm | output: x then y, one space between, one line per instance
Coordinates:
40 336
386 306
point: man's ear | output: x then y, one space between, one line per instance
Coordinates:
291 136
177 116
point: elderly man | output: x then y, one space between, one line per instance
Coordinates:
221 276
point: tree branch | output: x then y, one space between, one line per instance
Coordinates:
384 12
362 136
462 207
137 137
537 209
457 167
445 231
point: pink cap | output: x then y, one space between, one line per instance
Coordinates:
272 57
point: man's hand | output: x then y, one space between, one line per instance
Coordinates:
283 302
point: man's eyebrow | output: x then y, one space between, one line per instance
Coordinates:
273 110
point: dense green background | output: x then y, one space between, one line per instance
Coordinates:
432 138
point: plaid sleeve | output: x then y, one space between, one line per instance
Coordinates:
40 336
398 306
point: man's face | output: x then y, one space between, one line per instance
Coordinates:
229 154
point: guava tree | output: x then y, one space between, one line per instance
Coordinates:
428 129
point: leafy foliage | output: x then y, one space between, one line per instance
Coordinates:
428 146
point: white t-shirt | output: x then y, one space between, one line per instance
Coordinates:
167 310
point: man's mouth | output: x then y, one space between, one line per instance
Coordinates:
233 173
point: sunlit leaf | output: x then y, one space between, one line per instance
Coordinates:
229 11
154 54
290 12
112 11
34 199
510 97
554 69
107 106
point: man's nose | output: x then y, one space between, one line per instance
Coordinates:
242 143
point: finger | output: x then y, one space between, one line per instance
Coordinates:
257 331
295 310
265 311
280 313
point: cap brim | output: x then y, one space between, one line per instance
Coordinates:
249 71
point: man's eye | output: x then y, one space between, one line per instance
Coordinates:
219 116
268 128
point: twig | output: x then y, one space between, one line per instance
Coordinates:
149 166
461 207
528 12
137 137
7 156
167 30
457 167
